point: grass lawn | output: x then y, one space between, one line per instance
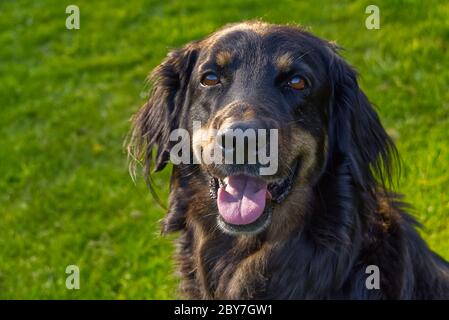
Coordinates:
66 97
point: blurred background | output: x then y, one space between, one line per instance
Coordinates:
66 97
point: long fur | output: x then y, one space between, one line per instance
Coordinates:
346 221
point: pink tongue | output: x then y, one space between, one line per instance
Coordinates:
243 199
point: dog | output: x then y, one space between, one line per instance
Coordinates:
316 227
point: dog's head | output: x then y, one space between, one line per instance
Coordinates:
265 108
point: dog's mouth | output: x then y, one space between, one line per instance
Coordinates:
245 202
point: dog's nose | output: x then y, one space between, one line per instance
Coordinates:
241 139
228 137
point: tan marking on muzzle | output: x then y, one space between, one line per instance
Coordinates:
234 112
203 140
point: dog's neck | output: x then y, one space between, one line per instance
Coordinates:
303 238
315 236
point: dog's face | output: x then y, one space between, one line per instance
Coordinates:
255 77
286 92
258 78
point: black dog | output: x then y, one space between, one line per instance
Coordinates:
311 229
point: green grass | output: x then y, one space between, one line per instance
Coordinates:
66 97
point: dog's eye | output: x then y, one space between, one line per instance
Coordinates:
210 79
297 83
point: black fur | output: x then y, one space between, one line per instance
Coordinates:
351 221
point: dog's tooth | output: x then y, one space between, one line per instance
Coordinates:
213 188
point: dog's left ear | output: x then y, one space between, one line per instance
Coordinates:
162 113
356 135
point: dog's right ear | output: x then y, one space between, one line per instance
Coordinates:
161 114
